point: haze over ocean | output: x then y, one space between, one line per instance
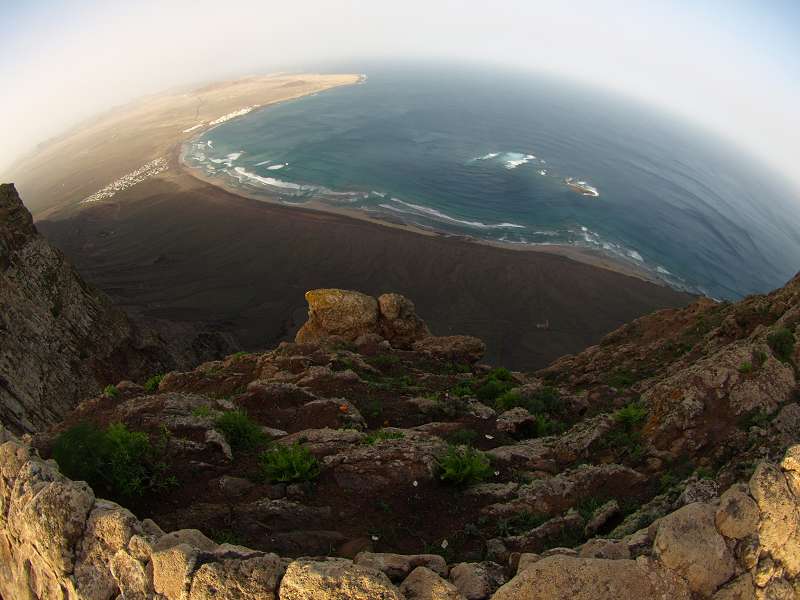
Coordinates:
491 155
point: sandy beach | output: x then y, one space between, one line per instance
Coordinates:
168 245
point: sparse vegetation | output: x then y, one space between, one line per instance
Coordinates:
382 435
382 361
462 465
746 368
621 378
631 416
151 385
288 464
118 462
110 391
202 411
496 383
758 418
782 343
240 431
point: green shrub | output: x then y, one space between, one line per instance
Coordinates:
756 418
151 385
286 464
240 431
381 361
510 399
382 435
462 389
782 343
110 391
745 368
631 416
202 411
544 425
463 437
117 461
462 465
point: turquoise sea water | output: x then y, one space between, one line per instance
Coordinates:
492 155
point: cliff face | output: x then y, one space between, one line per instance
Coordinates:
60 340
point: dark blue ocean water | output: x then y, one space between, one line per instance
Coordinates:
491 155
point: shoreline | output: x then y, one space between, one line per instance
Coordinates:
587 256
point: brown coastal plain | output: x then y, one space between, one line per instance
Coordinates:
177 248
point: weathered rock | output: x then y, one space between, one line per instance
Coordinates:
392 464
778 528
343 313
172 569
517 421
688 543
398 566
566 578
698 490
424 584
254 578
737 515
600 517
335 579
399 322
477 581
740 588
610 549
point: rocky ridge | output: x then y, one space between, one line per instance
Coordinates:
660 463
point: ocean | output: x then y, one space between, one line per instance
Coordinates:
521 159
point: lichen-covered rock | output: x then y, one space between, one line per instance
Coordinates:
424 584
253 578
399 322
688 543
343 313
172 569
567 578
778 528
737 515
335 579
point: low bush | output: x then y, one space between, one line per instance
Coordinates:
116 462
631 416
110 391
151 385
745 368
520 523
462 465
782 343
287 464
240 431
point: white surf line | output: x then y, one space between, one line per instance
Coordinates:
151 169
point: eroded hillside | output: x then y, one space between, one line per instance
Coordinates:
646 466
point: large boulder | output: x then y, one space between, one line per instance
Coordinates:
424 584
335 579
250 578
688 543
333 312
351 316
567 578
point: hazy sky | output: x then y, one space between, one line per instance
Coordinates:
732 65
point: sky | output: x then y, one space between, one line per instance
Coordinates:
731 66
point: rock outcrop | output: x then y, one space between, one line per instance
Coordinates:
60 340
353 317
57 540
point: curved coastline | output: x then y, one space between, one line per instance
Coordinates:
580 254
